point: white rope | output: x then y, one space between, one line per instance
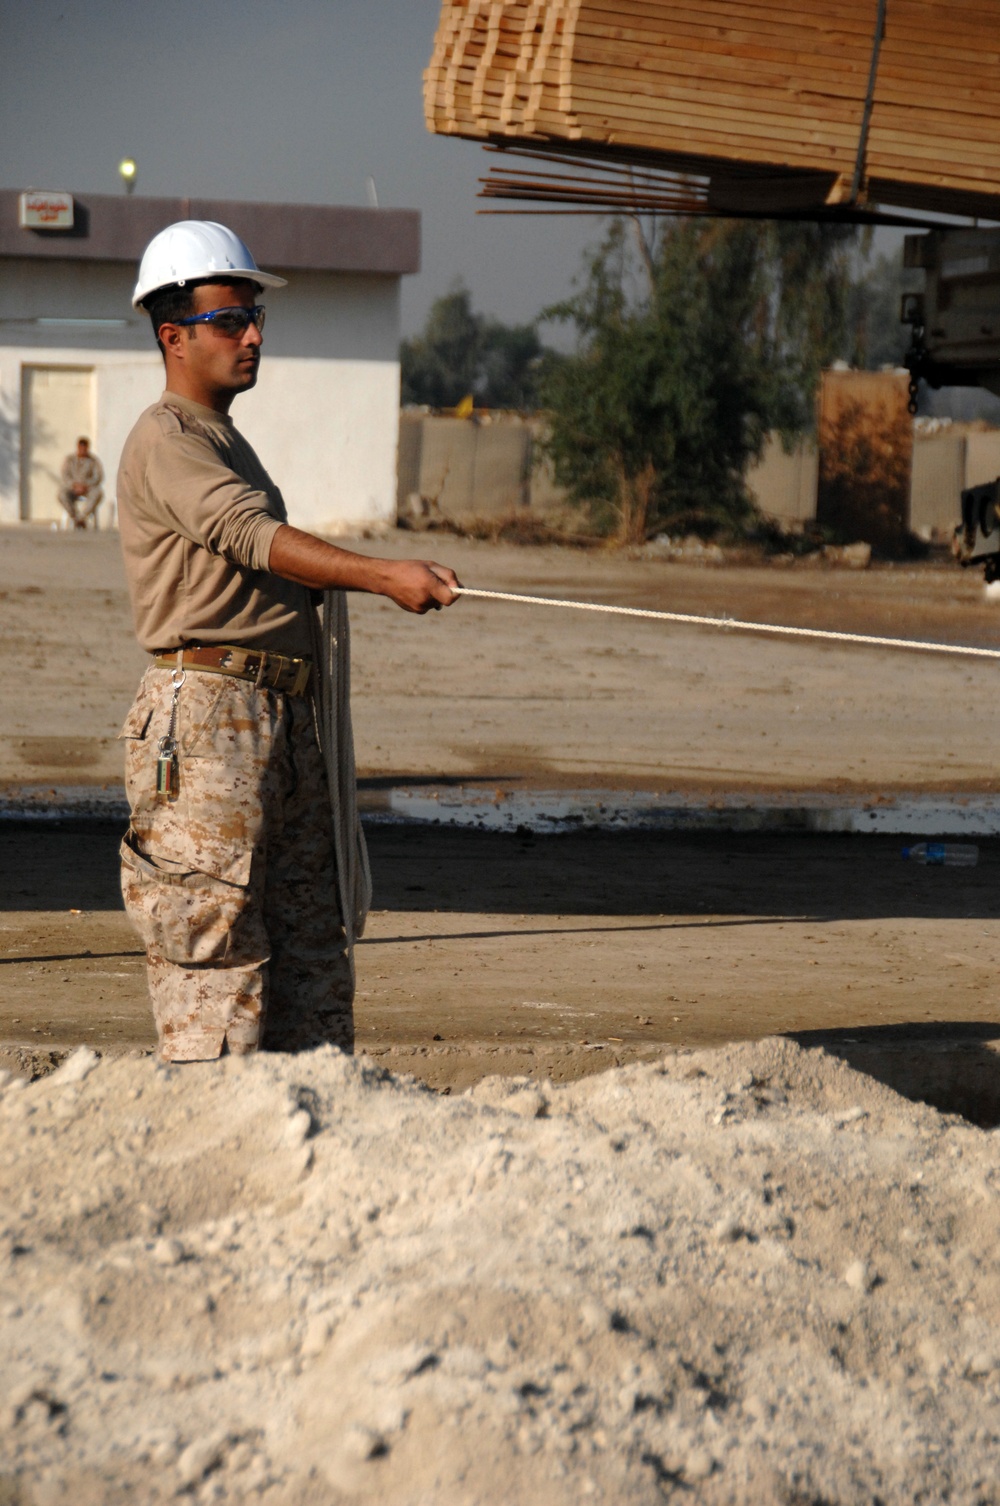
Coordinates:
734 622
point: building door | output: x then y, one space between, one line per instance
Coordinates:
57 408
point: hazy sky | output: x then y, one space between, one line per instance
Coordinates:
253 99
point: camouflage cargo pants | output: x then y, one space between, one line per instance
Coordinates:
232 887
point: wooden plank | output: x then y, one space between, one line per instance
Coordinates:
858 18
941 39
929 72
827 52
712 90
836 51
771 81
771 68
694 107
932 125
743 79
768 68
770 151
781 148
663 21
927 27
752 20
949 160
626 82
950 165
711 98
927 122
969 126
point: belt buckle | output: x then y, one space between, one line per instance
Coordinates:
273 672
292 682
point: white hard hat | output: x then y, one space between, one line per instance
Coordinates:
193 249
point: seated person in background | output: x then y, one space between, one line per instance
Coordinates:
81 492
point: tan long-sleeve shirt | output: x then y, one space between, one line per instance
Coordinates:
197 513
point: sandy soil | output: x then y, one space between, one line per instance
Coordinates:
735 1278
536 697
559 956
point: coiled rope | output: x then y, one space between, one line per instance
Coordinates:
336 739
873 640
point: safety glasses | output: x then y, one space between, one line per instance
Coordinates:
233 322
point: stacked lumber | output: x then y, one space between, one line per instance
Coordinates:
936 119
744 86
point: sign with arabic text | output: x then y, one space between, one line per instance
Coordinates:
45 211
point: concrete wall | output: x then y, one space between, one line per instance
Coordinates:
783 484
491 465
943 465
461 466
982 458
938 478
324 414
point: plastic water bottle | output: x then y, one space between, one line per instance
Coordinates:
943 854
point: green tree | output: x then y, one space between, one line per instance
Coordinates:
876 334
462 352
439 366
509 356
688 354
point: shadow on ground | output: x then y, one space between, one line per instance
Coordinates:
662 881
74 864
672 874
954 1066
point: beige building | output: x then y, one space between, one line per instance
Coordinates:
77 359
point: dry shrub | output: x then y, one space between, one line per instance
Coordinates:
864 474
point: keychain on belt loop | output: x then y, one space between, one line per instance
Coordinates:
167 768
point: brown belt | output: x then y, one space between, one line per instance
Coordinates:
268 671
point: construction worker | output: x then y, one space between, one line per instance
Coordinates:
228 867
81 492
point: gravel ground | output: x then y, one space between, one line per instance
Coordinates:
744 1276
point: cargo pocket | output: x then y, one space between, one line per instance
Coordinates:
185 915
140 714
138 745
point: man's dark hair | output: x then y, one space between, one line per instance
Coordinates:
168 305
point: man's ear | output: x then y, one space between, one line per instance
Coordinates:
172 338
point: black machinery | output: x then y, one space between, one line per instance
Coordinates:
956 342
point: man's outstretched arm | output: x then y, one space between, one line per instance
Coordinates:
415 585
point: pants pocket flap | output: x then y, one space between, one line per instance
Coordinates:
185 916
137 722
230 867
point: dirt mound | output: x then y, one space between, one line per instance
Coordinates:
750 1276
